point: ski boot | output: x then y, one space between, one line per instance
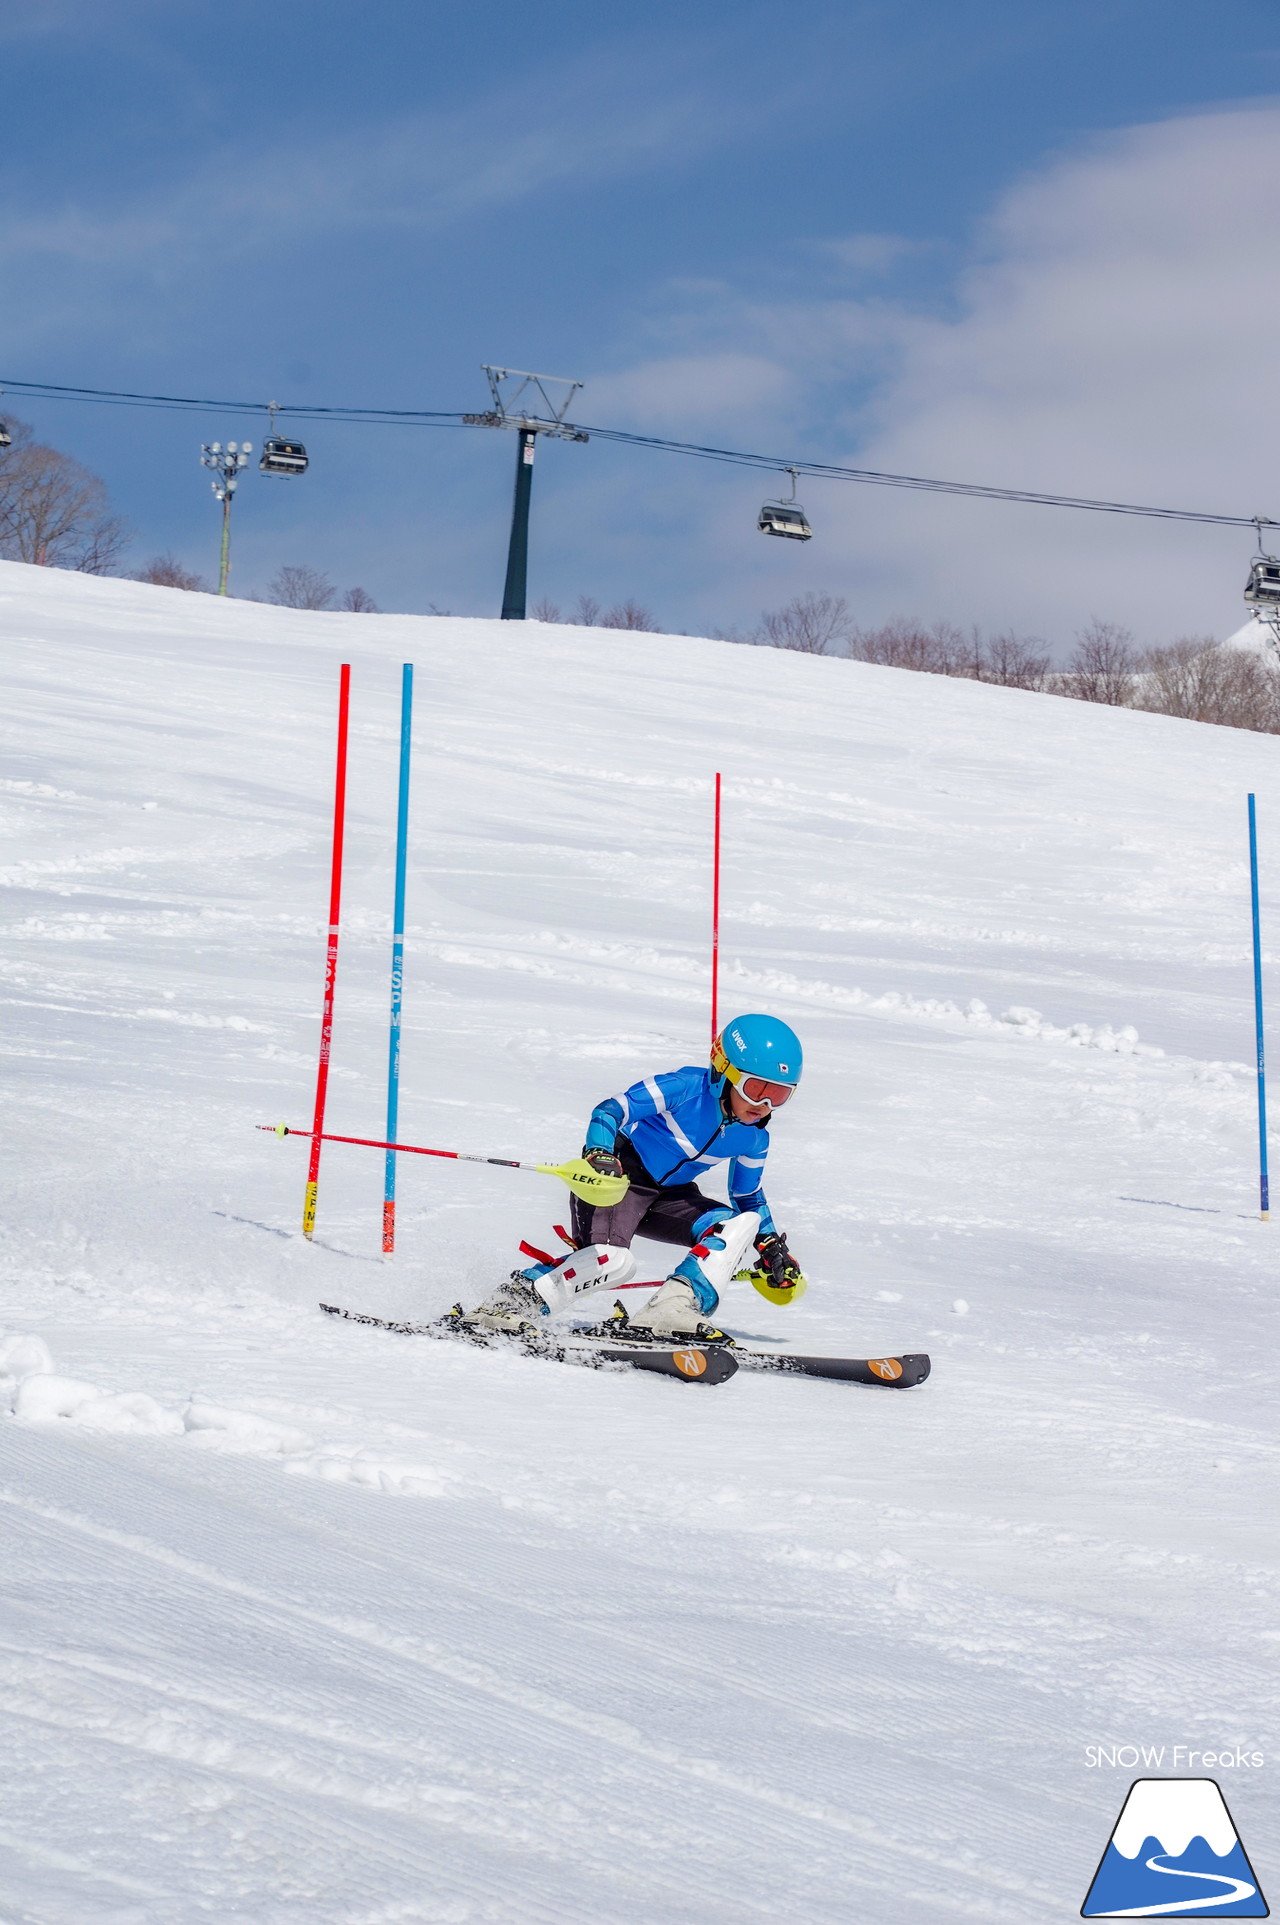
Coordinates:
692 1291
548 1287
513 1309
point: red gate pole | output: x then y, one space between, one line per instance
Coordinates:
331 955
715 920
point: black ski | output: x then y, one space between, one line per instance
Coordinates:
694 1363
896 1373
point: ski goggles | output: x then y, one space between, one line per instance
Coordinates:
758 1089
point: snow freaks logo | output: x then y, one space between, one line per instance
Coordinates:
1174 1853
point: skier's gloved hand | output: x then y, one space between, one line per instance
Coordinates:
783 1270
604 1162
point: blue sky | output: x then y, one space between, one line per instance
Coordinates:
1031 244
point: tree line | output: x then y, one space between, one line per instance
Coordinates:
56 513
1195 677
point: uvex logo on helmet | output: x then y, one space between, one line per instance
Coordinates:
737 1037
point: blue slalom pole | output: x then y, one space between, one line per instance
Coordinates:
1257 1003
397 963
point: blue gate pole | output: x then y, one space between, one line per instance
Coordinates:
397 963
1257 1003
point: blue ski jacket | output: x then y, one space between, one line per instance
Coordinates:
679 1131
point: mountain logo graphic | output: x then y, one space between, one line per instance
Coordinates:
1174 1853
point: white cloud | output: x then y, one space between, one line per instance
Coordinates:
53 19
707 389
1113 334
418 172
1117 338
873 254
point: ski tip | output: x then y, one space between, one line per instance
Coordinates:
912 1367
691 1363
710 1366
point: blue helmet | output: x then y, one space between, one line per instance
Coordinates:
758 1051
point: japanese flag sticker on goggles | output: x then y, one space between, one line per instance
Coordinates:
757 1089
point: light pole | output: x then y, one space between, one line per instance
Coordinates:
226 464
504 414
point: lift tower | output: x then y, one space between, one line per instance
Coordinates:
507 412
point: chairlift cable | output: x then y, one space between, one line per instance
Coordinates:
828 471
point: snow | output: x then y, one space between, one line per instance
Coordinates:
305 1623
1255 638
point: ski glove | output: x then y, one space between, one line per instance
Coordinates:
604 1162
783 1271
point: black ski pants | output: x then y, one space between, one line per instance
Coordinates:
647 1210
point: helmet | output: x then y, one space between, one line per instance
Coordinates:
757 1047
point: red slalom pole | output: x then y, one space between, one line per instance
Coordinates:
331 955
715 921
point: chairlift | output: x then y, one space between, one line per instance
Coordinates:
785 517
6 439
281 457
1262 590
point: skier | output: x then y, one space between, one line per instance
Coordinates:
662 1134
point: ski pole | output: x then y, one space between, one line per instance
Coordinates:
331 956
397 962
715 920
1257 1007
585 1182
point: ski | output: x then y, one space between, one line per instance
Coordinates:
896 1373
902 1372
709 1361
691 1362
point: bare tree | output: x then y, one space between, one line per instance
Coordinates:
904 642
586 612
165 571
1103 666
546 611
811 624
358 601
630 614
1014 661
1203 682
53 511
300 588
1250 691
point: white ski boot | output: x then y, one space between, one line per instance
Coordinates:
514 1307
546 1289
692 1291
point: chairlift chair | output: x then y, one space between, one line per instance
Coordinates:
6 439
1262 590
280 457
785 517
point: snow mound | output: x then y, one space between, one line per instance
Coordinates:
22 1356
41 1398
236 1430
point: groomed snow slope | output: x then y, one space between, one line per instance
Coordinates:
302 1623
